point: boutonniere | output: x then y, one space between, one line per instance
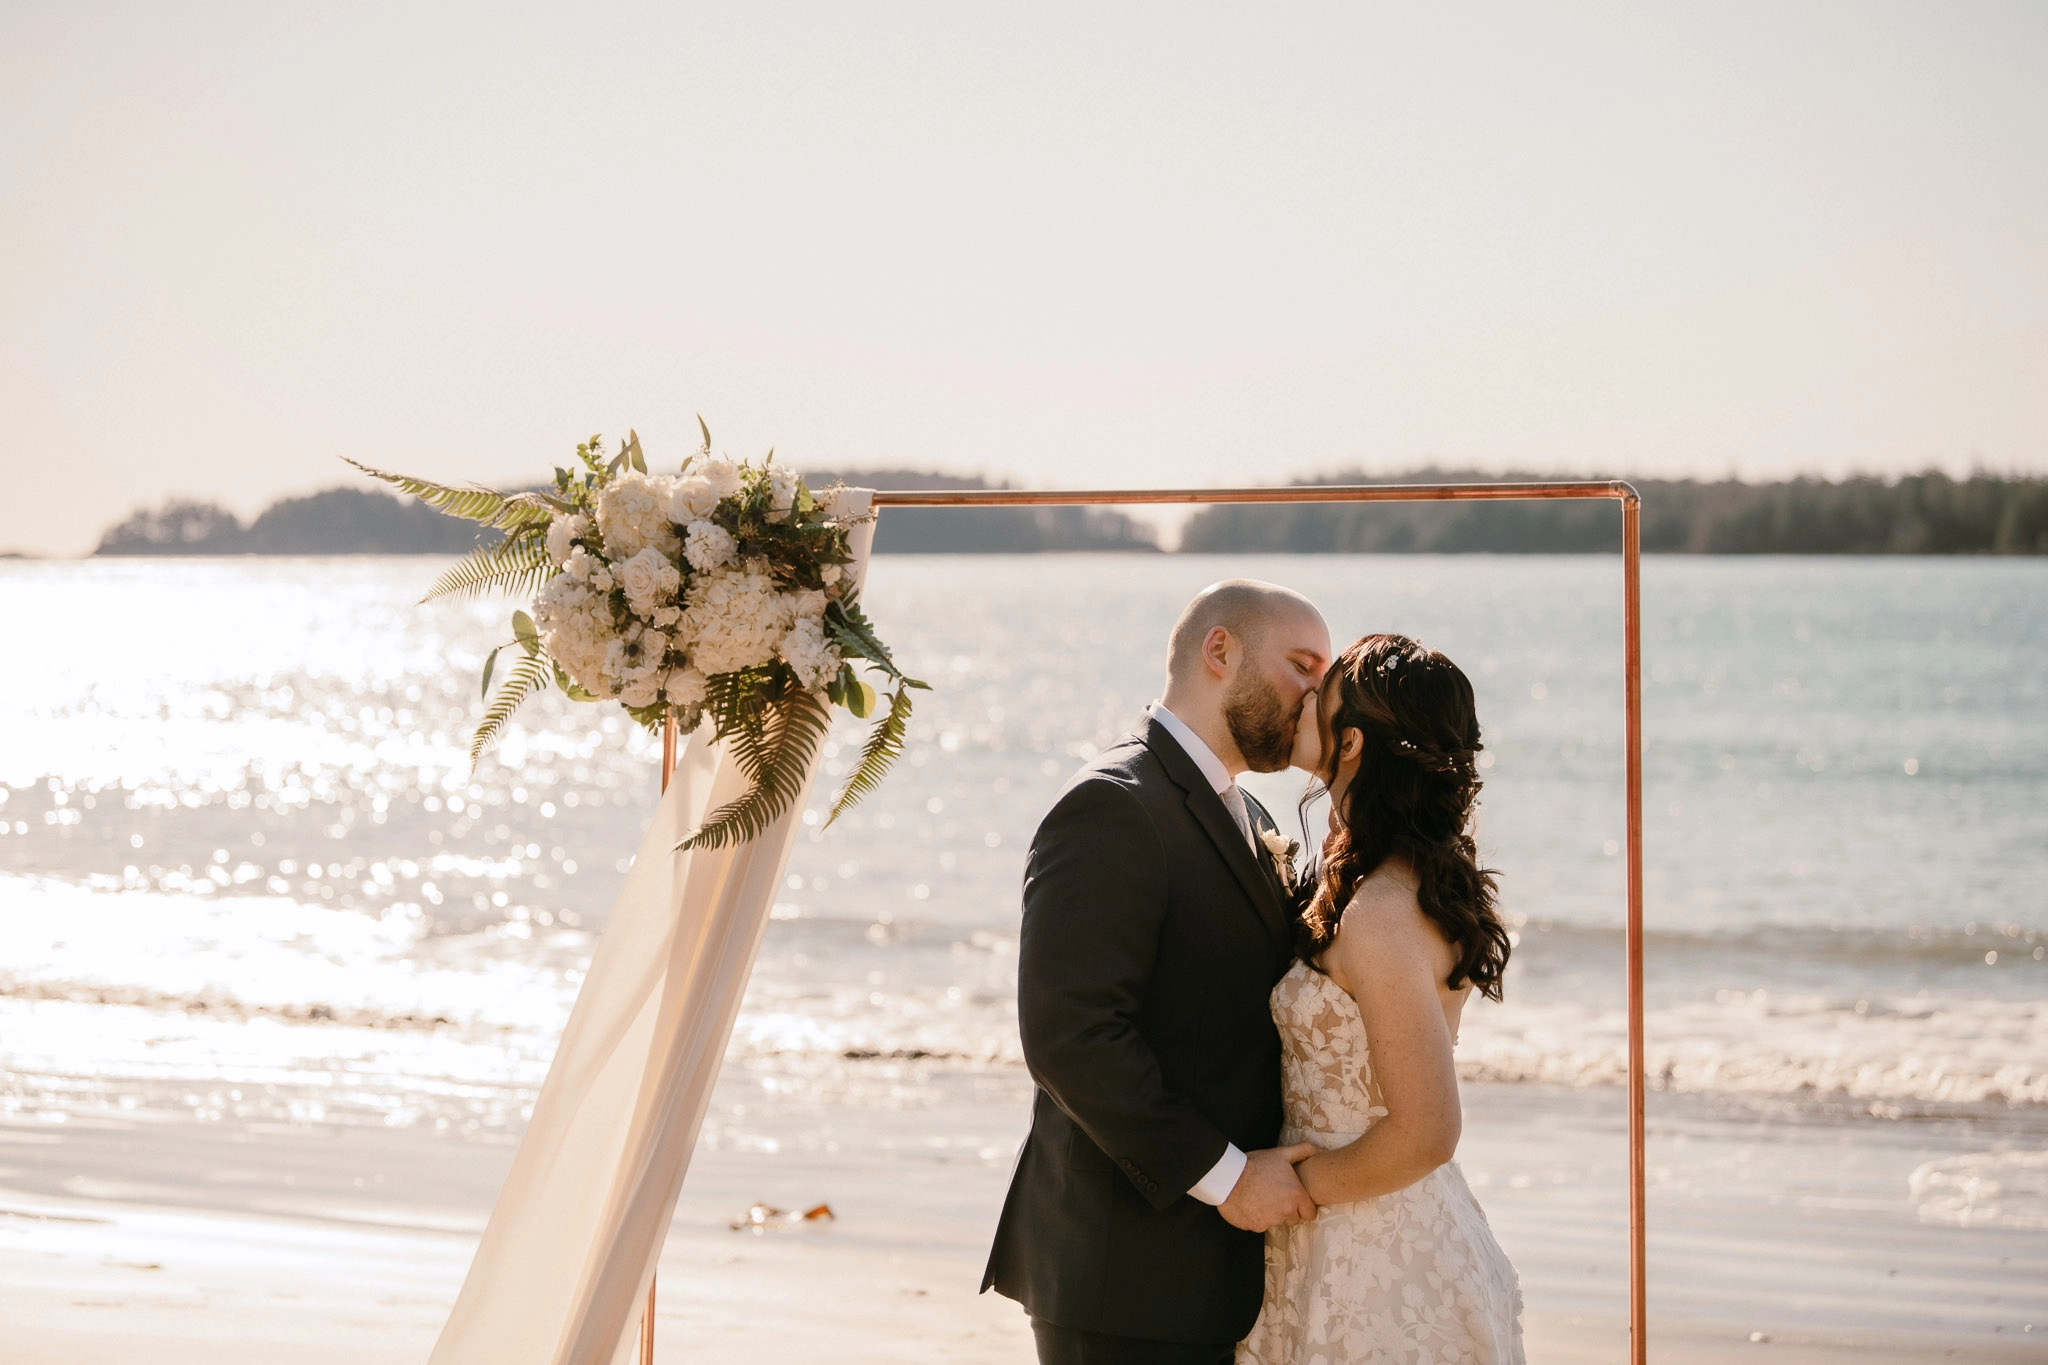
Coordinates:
1281 850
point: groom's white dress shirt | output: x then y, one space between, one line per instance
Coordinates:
1215 1187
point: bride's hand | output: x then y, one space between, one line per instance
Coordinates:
1308 737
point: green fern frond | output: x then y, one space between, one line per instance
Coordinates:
883 747
736 702
775 755
529 511
532 673
517 564
855 635
483 505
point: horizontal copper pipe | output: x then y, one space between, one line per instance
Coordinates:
1362 492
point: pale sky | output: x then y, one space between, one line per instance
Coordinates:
1090 245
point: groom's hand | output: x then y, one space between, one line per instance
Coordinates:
1268 1193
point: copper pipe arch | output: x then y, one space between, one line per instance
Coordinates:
1632 701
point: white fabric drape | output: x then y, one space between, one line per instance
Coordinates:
561 1275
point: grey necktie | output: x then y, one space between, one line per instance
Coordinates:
1233 801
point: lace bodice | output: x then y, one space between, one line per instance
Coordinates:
1326 1067
1414 1277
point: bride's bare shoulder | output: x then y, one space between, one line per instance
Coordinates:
1383 923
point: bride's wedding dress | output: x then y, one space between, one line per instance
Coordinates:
1414 1276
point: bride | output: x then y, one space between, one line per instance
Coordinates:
1398 1265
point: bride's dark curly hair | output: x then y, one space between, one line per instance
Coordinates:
1411 799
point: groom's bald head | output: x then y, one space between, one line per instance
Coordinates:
1245 607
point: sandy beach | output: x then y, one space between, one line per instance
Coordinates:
280 975
1774 1240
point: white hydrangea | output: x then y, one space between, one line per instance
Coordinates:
576 630
632 513
650 580
806 650
707 546
561 531
811 602
722 474
735 618
782 486
666 616
831 573
579 564
601 577
693 499
686 689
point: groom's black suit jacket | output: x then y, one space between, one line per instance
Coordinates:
1152 937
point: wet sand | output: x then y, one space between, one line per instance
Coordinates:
1771 1240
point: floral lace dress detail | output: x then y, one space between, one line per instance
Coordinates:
1413 1277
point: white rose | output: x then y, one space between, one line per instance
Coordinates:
650 581
686 688
665 616
708 546
561 531
693 499
722 474
810 602
641 691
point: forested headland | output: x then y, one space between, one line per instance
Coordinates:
372 521
1919 514
1930 513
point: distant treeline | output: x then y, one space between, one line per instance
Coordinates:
998 530
1919 514
371 521
339 521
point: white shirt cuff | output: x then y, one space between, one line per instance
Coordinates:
1216 1186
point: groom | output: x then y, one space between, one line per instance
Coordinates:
1155 925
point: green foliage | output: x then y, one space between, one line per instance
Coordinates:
531 674
860 698
486 506
883 747
855 635
516 564
629 456
773 738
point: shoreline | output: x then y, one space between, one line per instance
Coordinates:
202 1241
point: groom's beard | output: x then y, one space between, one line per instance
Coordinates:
1260 723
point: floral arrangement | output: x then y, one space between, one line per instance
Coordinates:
717 593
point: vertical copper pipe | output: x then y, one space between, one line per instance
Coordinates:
668 769
1632 941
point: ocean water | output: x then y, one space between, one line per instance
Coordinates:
248 876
